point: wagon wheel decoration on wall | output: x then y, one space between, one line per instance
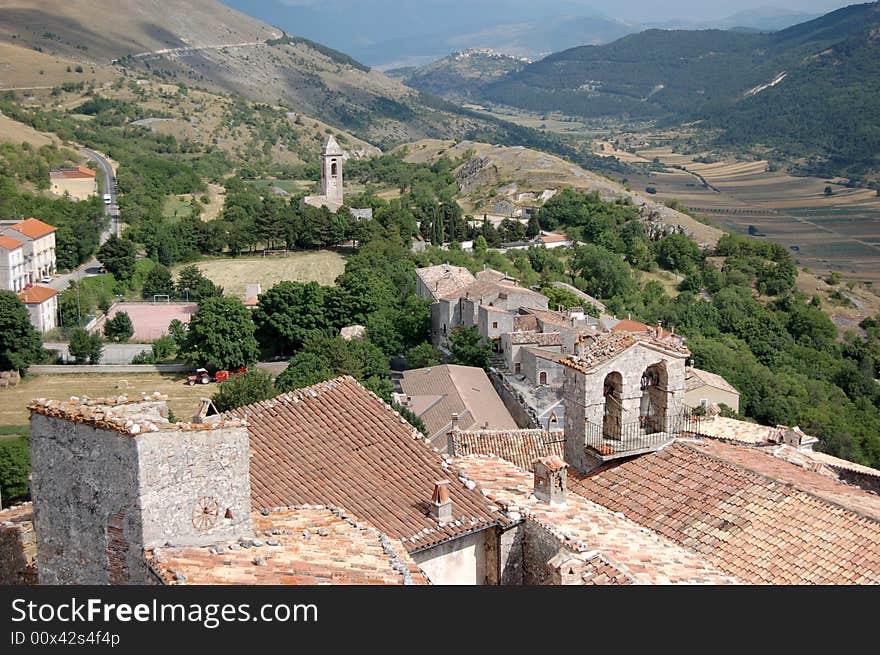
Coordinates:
205 513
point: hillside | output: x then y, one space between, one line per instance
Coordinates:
809 90
206 44
462 75
497 173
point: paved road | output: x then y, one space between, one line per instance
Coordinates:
93 266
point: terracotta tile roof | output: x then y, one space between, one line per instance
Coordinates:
519 447
536 338
823 459
550 237
8 243
80 172
596 350
33 228
525 323
586 527
720 427
589 569
36 295
131 416
309 545
546 354
17 513
338 444
696 378
751 514
463 390
629 325
253 301
445 280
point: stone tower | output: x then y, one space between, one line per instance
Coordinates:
331 171
113 477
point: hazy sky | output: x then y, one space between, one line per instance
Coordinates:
640 10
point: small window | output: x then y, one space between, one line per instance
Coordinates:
543 377
333 169
517 367
495 324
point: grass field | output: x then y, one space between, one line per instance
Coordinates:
322 266
182 399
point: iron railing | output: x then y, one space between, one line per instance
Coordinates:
648 433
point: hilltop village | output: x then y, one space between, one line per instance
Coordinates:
589 451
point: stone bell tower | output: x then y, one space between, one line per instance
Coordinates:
331 171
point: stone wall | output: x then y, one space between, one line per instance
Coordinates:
523 415
100 496
510 556
181 471
18 547
539 546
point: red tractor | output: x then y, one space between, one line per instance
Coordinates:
201 377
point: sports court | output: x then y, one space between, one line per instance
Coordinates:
150 320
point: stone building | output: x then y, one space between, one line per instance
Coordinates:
451 395
703 388
624 394
111 478
79 183
332 195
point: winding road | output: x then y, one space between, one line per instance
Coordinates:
93 266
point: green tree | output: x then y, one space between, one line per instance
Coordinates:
85 348
467 349
287 314
303 370
422 356
604 274
158 282
20 343
678 253
15 467
192 284
119 328
221 335
534 227
244 389
118 256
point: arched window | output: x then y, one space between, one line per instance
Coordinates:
333 169
543 377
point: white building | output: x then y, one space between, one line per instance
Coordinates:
12 270
38 242
42 305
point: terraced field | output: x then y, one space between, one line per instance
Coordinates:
840 231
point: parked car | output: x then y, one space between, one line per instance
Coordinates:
108 199
46 279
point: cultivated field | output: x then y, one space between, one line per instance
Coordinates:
840 231
182 399
322 266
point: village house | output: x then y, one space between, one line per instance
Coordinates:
13 275
42 306
703 388
457 297
450 397
38 247
79 183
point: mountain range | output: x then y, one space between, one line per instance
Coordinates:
393 33
809 91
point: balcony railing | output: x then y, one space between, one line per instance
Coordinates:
649 433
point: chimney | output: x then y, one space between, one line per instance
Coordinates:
550 480
455 426
441 503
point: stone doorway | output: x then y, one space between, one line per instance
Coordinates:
654 401
611 420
